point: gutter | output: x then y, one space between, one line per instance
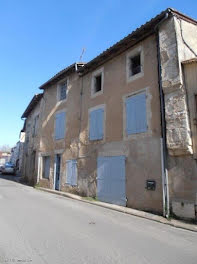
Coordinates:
165 186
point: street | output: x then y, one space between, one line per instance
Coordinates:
38 227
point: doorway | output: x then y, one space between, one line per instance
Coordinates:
57 172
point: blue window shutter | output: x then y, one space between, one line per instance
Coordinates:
71 172
136 121
56 126
96 124
68 172
74 173
60 124
46 167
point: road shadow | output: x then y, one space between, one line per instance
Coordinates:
14 178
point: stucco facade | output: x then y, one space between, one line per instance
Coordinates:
142 151
68 146
103 88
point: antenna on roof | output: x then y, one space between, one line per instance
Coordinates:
82 53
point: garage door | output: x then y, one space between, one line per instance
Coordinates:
111 180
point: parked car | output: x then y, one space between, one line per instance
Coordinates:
1 167
8 168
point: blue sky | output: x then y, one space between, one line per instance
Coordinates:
41 37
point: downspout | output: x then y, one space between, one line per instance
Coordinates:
165 186
80 110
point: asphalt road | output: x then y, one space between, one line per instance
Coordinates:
42 228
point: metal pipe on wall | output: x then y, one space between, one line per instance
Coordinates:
165 187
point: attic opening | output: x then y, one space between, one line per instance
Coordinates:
135 64
98 83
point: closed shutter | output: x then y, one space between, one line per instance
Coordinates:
71 172
136 121
111 180
46 167
96 124
60 124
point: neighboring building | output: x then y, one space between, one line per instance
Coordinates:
4 157
123 126
17 152
14 154
59 133
31 129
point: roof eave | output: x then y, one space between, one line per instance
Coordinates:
132 39
34 101
61 75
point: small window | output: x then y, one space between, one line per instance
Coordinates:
98 83
62 91
135 64
96 123
46 167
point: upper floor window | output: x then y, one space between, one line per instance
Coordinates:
136 121
135 64
60 125
97 82
62 91
35 125
96 124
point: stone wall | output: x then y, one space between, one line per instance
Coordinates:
177 43
173 51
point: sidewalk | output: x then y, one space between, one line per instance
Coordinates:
126 210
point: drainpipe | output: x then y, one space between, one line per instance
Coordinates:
165 186
80 113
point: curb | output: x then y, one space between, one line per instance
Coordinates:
126 210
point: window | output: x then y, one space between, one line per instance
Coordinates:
35 125
46 167
71 172
62 91
60 125
97 83
136 121
96 123
135 64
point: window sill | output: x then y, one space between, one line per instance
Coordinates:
59 139
135 77
93 95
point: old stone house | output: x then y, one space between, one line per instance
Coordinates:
122 127
31 129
